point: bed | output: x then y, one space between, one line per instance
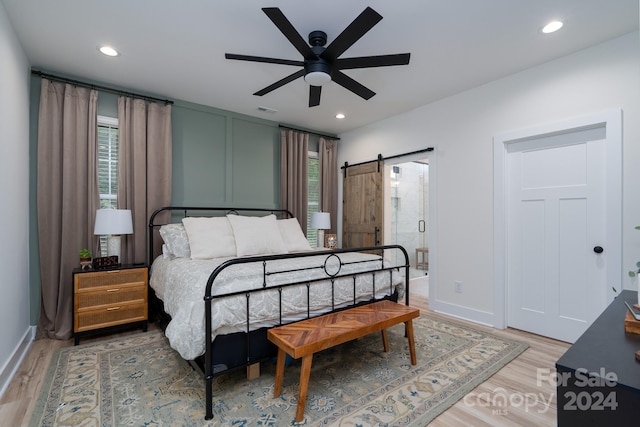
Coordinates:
221 277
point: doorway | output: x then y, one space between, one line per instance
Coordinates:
407 216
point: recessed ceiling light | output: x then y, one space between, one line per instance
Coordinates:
108 50
340 116
552 27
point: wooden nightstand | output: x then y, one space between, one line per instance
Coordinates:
108 298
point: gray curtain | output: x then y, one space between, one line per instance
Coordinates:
328 179
294 151
67 197
144 169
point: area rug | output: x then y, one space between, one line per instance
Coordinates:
140 381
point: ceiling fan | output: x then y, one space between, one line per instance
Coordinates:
321 64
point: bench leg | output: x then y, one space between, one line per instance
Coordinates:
277 387
305 371
385 340
412 344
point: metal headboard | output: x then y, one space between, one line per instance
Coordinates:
185 212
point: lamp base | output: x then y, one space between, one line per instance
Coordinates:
320 242
113 246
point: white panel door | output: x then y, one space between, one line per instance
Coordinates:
556 272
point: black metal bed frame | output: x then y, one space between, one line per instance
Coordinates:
253 345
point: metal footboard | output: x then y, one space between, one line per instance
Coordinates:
331 267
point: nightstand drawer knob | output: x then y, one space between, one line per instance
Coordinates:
113 308
113 290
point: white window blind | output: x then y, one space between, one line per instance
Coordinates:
313 200
107 168
108 161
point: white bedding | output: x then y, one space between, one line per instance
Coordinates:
180 283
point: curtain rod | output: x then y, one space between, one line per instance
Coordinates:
307 131
97 87
380 158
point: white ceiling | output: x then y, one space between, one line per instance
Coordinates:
175 49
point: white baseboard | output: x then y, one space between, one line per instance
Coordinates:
14 362
465 313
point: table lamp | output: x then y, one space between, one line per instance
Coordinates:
113 222
321 221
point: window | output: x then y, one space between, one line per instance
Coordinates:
107 167
108 161
313 201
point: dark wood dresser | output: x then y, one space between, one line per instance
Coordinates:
598 378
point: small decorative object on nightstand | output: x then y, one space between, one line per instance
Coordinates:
106 262
109 298
85 259
330 241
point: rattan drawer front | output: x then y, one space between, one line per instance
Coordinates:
111 296
110 316
109 278
106 298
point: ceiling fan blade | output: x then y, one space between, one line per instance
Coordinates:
279 83
372 61
363 23
314 95
285 27
263 59
348 83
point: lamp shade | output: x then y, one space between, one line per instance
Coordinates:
321 220
113 221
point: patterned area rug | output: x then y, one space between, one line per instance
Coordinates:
140 381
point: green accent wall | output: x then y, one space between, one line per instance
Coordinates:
254 179
224 159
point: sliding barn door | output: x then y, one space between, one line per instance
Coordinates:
362 206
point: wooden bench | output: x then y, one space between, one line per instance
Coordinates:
304 338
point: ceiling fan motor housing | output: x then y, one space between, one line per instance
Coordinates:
317 38
317 70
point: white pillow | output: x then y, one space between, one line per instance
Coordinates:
176 240
257 235
293 236
210 237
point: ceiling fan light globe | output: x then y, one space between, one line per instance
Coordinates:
317 78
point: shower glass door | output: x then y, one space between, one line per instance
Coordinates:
409 208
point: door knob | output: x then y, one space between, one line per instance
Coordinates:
598 249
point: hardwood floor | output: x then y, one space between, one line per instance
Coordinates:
520 394
511 397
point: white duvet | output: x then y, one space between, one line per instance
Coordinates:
181 282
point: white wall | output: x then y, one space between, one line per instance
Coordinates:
14 193
461 129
